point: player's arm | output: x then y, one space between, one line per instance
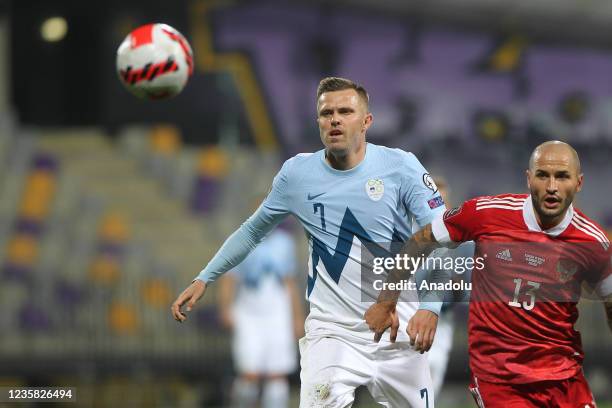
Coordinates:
227 292
297 310
233 251
421 243
454 226
382 315
273 210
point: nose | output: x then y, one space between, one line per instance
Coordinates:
335 119
551 186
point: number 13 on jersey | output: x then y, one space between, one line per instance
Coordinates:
532 287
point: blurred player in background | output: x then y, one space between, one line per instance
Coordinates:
259 302
347 195
524 350
439 353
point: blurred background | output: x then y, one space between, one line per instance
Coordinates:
110 205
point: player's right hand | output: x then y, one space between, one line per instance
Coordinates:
188 297
379 317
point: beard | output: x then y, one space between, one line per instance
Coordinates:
338 149
548 213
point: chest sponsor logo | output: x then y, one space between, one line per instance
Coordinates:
534 260
375 188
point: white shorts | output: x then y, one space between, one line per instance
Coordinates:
332 368
263 346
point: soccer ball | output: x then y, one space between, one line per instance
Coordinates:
154 61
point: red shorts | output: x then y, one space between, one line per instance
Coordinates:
569 393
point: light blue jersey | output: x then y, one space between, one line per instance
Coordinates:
376 201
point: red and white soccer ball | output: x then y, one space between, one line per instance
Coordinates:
154 61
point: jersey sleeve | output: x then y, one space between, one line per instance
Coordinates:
459 224
240 244
277 200
420 194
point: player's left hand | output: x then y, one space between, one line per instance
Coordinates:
379 317
188 297
422 330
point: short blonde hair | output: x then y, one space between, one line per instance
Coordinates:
332 84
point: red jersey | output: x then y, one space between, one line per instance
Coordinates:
524 299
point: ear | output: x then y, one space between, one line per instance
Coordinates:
367 122
580 180
528 175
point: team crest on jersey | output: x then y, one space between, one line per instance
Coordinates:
375 188
451 213
429 183
566 269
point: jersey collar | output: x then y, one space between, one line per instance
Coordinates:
358 168
532 223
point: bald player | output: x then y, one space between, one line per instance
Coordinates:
539 250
